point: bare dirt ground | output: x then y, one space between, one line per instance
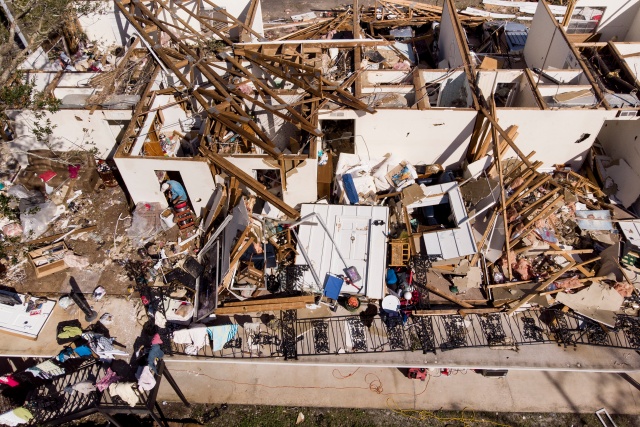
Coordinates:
276 416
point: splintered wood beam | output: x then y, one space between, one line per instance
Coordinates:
233 19
448 296
260 138
516 305
245 36
505 218
250 182
422 99
506 137
290 72
295 116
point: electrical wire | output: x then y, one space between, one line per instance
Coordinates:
374 383
423 415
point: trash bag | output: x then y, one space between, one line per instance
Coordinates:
146 223
36 221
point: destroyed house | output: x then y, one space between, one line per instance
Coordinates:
370 180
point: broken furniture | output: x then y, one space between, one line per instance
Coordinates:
400 252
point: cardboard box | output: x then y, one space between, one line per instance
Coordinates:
48 259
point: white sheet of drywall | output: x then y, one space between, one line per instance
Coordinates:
376 77
617 19
277 129
552 134
109 27
546 46
419 136
301 182
632 51
448 47
488 80
633 35
621 140
74 130
138 174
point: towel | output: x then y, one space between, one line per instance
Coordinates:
16 417
125 391
195 337
8 380
109 378
222 334
146 379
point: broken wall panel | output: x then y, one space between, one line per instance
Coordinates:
143 185
449 49
546 46
611 18
554 134
633 35
429 136
74 129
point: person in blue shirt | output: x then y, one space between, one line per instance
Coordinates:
176 191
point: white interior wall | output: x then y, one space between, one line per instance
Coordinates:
553 90
277 129
552 134
488 80
142 183
109 27
621 140
74 130
448 48
617 19
378 77
419 136
572 77
633 35
546 46
301 182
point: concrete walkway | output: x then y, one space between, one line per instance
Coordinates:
372 387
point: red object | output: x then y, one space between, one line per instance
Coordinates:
8 380
445 372
417 374
47 175
156 339
180 205
73 171
145 300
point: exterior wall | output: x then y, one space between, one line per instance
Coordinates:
428 136
142 184
621 140
552 134
618 17
546 46
74 130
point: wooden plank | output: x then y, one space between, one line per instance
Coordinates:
422 99
516 305
49 239
259 307
448 296
569 258
307 299
250 182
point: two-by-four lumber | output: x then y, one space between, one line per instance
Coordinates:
250 182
